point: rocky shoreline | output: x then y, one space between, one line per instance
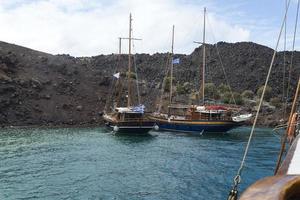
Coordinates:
40 89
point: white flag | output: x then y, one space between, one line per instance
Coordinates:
117 75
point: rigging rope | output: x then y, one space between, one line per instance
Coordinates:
285 136
112 84
284 66
221 62
136 74
292 57
110 96
167 68
233 193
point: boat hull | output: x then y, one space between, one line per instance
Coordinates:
133 127
130 129
199 126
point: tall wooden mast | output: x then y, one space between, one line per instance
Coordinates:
130 38
129 64
172 52
120 45
119 83
204 59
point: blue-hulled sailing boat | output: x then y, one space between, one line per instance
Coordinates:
196 118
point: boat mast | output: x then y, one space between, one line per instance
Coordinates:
171 81
129 63
172 52
120 86
120 45
203 67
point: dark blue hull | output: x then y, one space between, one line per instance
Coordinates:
130 128
196 128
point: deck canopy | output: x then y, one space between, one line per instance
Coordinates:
135 109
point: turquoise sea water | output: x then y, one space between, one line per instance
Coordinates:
92 163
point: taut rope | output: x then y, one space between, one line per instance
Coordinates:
283 141
221 62
234 192
136 74
292 58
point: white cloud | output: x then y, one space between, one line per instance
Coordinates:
90 27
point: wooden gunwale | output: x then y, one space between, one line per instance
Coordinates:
287 161
282 186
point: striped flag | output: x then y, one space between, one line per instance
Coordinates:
139 108
176 61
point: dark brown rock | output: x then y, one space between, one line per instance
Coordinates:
61 84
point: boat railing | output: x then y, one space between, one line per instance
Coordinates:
134 120
209 117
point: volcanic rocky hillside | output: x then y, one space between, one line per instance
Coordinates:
37 88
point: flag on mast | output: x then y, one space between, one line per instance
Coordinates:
176 61
117 75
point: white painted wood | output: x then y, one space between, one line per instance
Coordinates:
294 167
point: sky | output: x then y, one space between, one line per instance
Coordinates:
92 27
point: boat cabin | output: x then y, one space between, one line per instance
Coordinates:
191 112
128 114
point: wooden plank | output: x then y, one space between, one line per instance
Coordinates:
281 187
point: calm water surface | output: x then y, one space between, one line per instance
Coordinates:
92 163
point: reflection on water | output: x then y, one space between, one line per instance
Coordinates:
92 163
